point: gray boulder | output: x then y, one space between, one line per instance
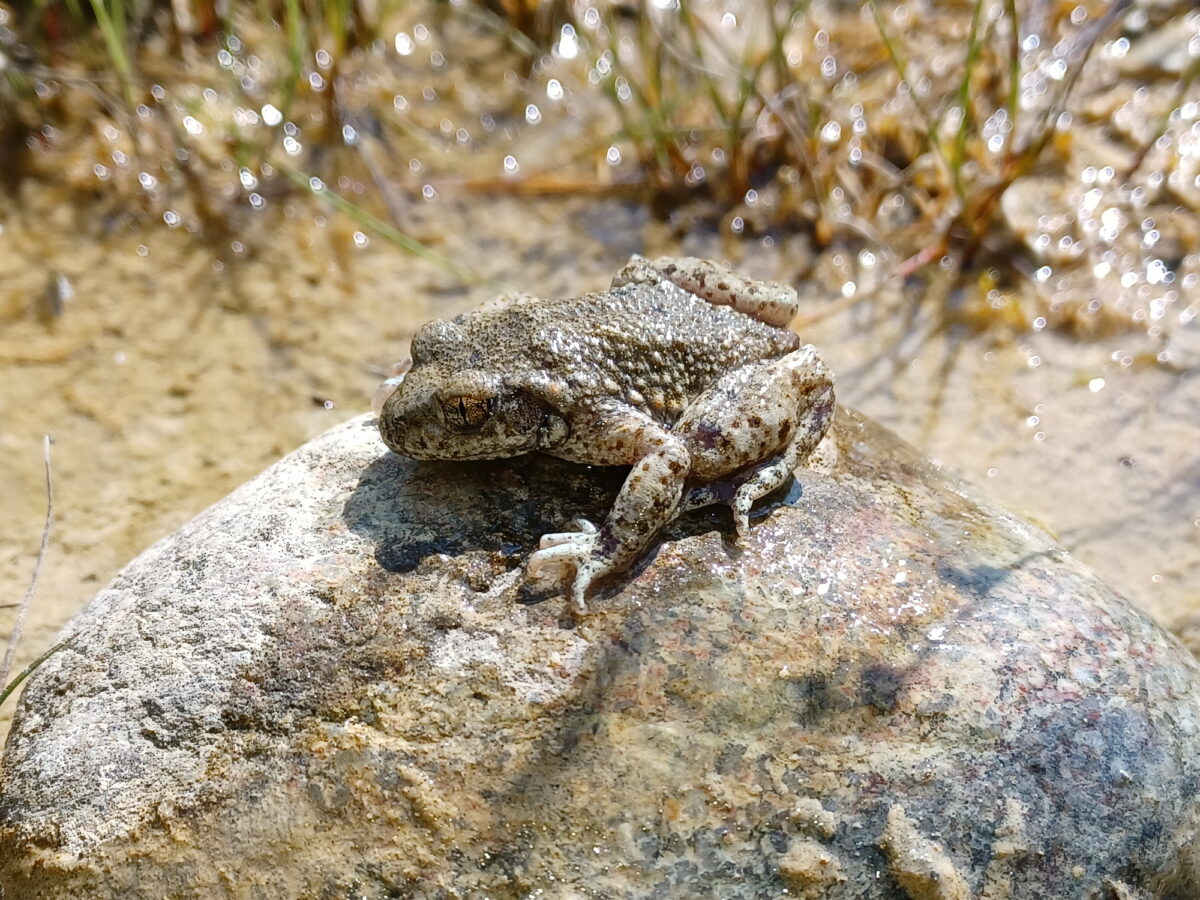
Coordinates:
336 683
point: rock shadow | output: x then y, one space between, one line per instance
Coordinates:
413 509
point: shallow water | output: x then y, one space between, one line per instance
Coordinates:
175 373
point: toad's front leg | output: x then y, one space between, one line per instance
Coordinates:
649 499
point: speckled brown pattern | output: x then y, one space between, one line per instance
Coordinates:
680 371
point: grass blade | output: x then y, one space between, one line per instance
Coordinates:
29 670
966 108
15 636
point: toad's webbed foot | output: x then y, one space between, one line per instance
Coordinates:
564 551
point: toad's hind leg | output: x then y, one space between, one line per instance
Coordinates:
764 418
770 302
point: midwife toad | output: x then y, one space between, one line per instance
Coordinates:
683 370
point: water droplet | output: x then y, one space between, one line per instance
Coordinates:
568 42
349 135
428 191
360 239
533 115
554 89
831 132
192 126
100 170
316 185
271 115
256 200
613 155
171 217
510 164
315 81
291 146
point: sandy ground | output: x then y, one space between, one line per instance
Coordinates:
179 369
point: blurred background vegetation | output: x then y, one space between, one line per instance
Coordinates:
907 128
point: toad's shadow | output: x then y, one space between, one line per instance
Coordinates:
412 510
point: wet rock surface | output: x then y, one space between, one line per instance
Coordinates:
335 682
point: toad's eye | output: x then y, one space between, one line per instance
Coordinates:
468 412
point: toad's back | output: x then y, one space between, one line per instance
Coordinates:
657 342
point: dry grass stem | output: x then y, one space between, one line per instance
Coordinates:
23 610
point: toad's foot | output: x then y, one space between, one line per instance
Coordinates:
568 550
648 499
